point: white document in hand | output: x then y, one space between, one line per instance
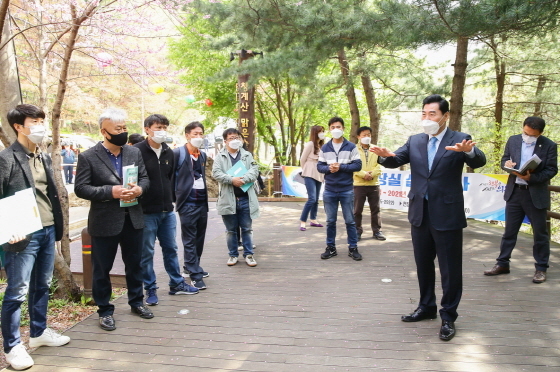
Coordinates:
19 215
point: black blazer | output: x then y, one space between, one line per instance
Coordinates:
15 175
95 178
545 149
443 184
159 197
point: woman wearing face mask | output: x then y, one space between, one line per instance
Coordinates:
313 179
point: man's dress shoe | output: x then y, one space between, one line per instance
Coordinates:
107 323
418 315
447 331
497 270
142 311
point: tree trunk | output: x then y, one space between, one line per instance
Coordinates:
538 96
67 286
350 94
372 107
9 89
500 70
458 87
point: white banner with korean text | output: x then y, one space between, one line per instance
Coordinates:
483 193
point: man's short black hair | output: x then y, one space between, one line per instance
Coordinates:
195 124
534 122
229 131
443 104
155 118
135 138
20 112
363 129
336 119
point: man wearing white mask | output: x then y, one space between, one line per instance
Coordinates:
527 195
436 208
237 200
23 166
338 160
157 204
191 200
366 185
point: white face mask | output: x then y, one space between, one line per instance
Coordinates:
235 144
430 127
365 140
159 136
336 133
196 141
36 133
321 135
528 139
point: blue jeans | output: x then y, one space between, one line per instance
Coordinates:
241 219
29 271
313 190
346 200
68 173
163 226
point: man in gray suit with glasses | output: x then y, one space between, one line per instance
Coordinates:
99 178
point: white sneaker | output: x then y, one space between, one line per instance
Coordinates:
18 358
250 260
232 261
49 338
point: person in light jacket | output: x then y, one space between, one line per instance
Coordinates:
238 207
313 179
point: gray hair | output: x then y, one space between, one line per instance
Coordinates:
114 114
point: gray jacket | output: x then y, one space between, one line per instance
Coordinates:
95 178
15 175
226 203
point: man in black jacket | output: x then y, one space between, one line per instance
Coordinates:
24 166
527 195
159 217
99 178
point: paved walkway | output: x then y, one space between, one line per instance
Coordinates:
296 312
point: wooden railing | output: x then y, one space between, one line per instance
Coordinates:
551 214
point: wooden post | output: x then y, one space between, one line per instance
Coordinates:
87 272
246 101
277 172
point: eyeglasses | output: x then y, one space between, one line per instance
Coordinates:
232 138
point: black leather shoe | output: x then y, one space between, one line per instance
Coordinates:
447 331
497 270
107 323
142 311
418 315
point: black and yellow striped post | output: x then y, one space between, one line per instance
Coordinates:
87 272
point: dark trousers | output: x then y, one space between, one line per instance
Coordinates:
371 193
103 253
194 219
68 173
519 205
448 247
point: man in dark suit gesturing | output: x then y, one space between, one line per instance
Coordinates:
436 208
528 195
99 178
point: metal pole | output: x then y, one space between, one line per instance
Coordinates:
87 272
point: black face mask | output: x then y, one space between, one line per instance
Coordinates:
118 139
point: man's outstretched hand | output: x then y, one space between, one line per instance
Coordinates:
464 146
381 151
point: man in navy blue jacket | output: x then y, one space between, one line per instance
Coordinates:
339 159
436 208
